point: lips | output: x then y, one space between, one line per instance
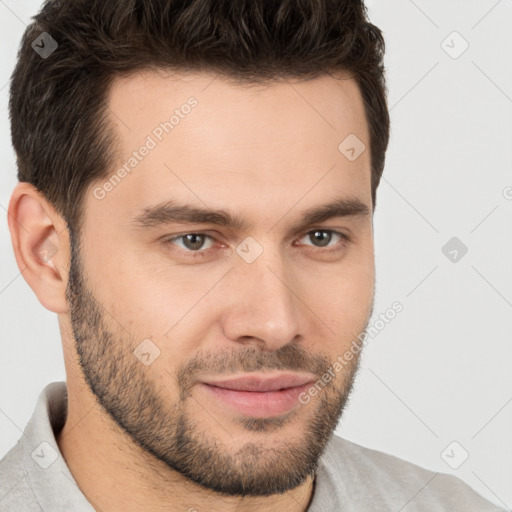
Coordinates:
261 383
258 396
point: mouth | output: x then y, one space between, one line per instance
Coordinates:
259 396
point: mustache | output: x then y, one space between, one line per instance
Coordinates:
291 357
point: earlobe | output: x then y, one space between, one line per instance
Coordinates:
41 246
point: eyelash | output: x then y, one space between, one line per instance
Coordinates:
206 252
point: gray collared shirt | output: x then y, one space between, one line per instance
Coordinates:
350 478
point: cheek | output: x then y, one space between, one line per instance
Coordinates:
344 307
169 305
342 298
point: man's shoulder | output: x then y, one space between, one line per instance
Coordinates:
393 481
14 483
33 474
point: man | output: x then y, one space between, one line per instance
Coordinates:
197 185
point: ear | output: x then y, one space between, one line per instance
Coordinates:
40 240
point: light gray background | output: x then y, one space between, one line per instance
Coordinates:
440 371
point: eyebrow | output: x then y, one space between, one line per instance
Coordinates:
173 212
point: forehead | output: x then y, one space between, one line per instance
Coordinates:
242 110
211 141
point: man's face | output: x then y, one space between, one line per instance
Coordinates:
155 318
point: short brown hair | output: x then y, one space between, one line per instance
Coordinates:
58 105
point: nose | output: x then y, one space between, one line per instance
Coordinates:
263 309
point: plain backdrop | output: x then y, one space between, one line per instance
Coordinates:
435 383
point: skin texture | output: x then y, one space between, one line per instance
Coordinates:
147 436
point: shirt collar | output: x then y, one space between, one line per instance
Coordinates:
47 471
